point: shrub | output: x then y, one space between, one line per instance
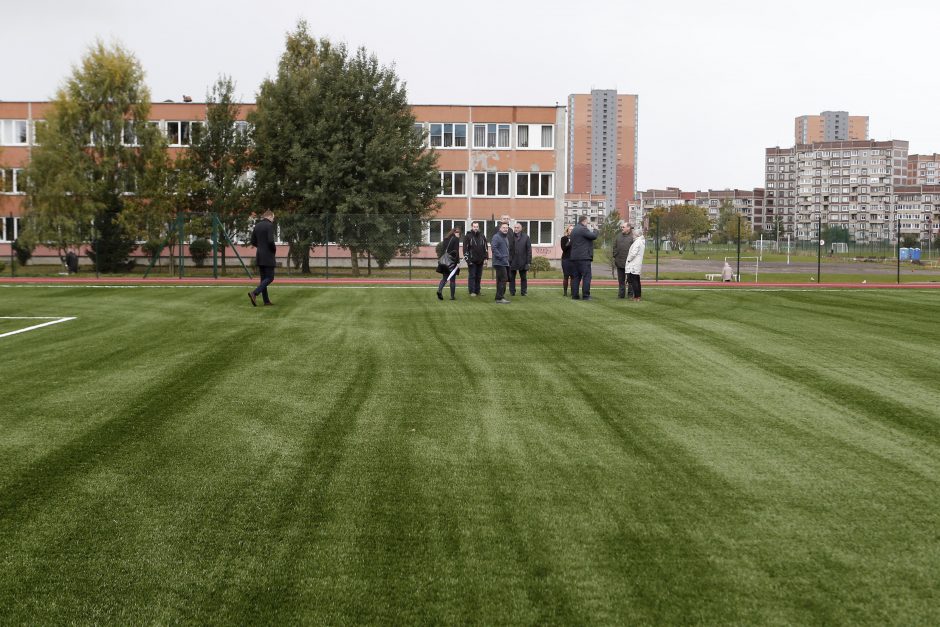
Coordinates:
151 247
3 266
539 264
23 251
199 249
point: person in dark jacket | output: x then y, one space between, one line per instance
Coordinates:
567 267
476 251
520 260
582 254
262 238
450 270
500 247
619 253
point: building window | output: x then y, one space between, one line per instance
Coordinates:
437 229
534 184
448 135
180 133
14 132
535 136
540 231
453 184
491 136
491 183
10 230
12 181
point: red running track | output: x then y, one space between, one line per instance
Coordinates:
423 282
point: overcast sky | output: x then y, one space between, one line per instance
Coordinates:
718 80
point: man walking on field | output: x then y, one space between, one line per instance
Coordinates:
262 238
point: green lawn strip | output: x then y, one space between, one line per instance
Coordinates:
702 456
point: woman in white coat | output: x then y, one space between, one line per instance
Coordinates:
635 262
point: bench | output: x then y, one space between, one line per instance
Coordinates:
717 277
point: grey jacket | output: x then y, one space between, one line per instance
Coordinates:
499 245
622 248
582 243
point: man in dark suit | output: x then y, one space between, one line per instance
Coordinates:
521 259
262 238
582 254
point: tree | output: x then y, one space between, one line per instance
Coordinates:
336 152
835 234
216 167
727 227
97 157
682 224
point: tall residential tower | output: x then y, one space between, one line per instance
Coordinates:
602 146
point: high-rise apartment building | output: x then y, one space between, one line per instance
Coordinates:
923 169
748 202
849 184
602 146
830 126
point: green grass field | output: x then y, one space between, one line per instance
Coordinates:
374 455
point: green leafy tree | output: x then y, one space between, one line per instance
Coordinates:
336 152
727 226
97 160
214 172
835 234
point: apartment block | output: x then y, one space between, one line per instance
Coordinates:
594 206
498 161
849 184
749 203
602 146
918 210
830 126
923 169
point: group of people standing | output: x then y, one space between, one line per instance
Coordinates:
512 256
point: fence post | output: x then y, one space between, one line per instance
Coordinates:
179 234
12 260
411 248
898 251
327 220
215 246
819 248
657 248
739 248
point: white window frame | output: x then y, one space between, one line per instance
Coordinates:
14 174
453 135
535 136
539 177
496 176
8 132
188 123
453 174
498 126
436 228
4 222
538 240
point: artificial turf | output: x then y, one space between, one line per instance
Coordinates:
375 455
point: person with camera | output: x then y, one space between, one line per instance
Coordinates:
476 251
567 267
521 260
582 255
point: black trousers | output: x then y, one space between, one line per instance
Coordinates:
453 284
582 275
523 281
476 274
634 280
267 277
502 277
624 289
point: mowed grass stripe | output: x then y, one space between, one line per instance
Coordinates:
375 455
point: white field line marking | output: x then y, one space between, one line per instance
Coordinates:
51 319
